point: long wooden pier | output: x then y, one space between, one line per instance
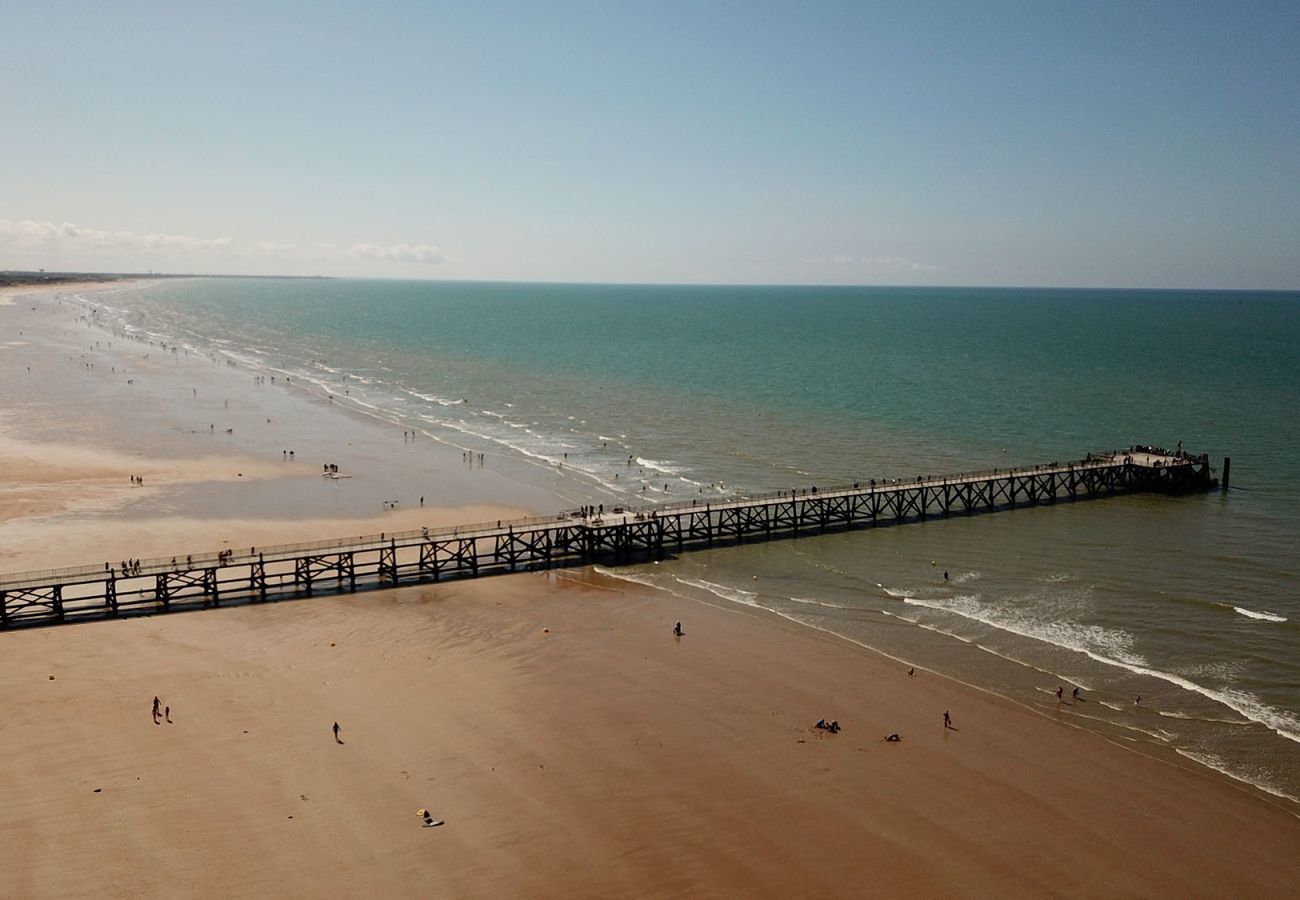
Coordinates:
618 535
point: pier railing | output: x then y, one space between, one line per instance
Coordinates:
615 535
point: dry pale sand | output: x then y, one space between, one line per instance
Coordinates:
12 293
572 745
574 748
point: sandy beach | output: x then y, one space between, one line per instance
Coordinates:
571 744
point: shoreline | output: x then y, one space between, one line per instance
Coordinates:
203 439
675 772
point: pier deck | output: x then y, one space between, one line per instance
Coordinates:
618 535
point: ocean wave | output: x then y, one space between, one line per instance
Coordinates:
441 401
898 593
1187 717
1100 644
991 652
1222 672
1103 644
1262 616
813 602
1210 761
623 575
725 592
658 466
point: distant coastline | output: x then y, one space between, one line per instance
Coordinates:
25 279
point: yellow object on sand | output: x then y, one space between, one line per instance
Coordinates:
421 813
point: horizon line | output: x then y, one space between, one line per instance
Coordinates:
38 276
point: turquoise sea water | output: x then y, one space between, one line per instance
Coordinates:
643 394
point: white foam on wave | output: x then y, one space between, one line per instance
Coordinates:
810 601
1108 646
644 580
982 647
1210 761
898 593
658 466
965 577
735 595
1186 717
465 428
441 401
1262 616
1222 671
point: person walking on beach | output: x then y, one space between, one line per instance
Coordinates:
677 630
156 705
947 719
1074 695
1059 692
167 714
336 733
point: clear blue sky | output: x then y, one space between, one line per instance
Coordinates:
1051 143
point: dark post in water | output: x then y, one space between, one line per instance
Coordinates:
1227 469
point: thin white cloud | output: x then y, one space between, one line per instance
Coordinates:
878 264
30 233
33 244
416 253
278 248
